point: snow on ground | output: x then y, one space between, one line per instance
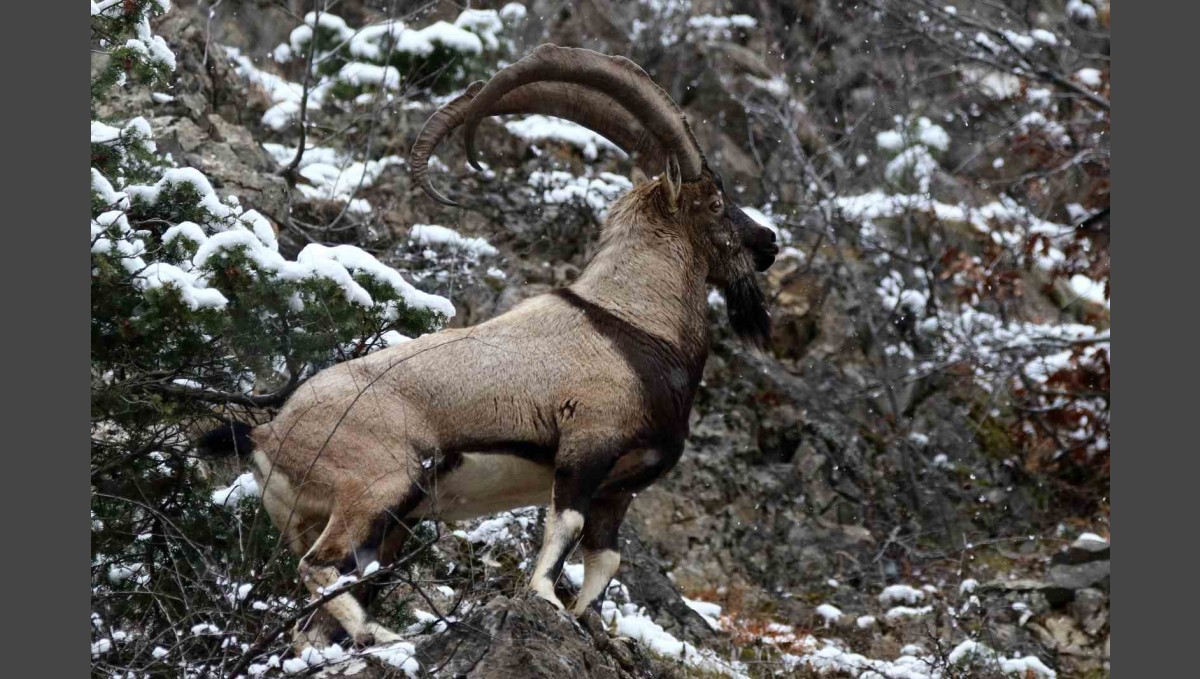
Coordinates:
624 617
1088 289
706 609
502 529
900 593
709 28
829 613
631 621
285 95
972 651
1086 540
432 234
331 174
829 657
897 612
597 192
397 654
510 530
536 128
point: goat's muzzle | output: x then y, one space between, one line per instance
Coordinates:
756 238
762 248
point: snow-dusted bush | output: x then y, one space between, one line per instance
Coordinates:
392 54
135 55
445 259
195 311
913 147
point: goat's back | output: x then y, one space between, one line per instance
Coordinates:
521 378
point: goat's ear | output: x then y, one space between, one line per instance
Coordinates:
638 177
672 183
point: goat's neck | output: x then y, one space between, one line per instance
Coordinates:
652 280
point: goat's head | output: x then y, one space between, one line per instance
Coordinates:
614 97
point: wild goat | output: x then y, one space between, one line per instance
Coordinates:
574 399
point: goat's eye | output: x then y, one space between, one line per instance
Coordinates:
716 206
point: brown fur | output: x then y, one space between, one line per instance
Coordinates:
570 397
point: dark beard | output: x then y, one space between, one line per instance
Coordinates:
748 315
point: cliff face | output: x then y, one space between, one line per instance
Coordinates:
904 471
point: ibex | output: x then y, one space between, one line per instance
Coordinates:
575 399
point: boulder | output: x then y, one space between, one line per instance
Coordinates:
643 574
527 637
1086 549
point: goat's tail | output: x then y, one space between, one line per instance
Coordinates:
231 438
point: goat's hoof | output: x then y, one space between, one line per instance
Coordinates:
375 634
303 640
551 599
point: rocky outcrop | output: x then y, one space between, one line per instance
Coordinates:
645 577
527 637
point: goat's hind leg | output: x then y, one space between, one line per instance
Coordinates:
350 542
299 533
318 629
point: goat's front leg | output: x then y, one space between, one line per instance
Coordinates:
576 478
601 552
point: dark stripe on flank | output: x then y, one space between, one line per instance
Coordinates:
668 376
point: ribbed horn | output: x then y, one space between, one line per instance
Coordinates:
630 123
617 77
441 123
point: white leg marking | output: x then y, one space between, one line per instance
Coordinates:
346 609
381 634
562 528
598 570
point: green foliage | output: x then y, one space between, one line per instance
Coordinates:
440 59
134 54
193 313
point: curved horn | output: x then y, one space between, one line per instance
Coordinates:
592 109
441 123
617 77
585 106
